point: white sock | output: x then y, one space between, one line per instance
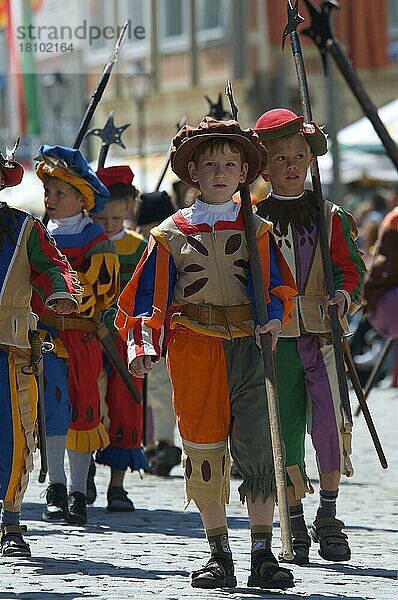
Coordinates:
55 458
79 463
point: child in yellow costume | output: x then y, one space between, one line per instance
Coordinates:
28 260
71 372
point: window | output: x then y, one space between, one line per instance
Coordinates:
134 12
173 26
392 23
211 19
172 18
210 14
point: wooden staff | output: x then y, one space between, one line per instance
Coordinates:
363 405
278 450
294 19
99 90
375 371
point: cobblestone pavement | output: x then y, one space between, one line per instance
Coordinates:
150 553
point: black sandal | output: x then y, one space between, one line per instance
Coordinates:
267 574
301 550
333 543
218 572
12 542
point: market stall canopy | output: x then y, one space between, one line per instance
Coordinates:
361 136
358 166
362 155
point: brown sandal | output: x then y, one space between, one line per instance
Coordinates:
267 574
218 572
12 542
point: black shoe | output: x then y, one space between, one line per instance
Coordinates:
118 500
56 508
164 460
91 494
77 509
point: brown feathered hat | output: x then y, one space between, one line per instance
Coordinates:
189 138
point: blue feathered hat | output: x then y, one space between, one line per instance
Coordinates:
70 165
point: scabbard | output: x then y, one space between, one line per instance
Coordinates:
107 343
41 428
36 368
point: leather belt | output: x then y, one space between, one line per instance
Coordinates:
61 323
21 352
207 314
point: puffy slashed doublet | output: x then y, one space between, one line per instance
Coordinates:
199 273
28 260
304 355
72 370
125 416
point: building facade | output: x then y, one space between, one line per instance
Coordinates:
191 48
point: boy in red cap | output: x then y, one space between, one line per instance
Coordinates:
306 371
28 260
125 416
197 267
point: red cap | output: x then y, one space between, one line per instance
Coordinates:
13 173
280 122
121 174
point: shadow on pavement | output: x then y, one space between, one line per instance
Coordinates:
40 566
160 521
246 593
356 571
254 594
44 596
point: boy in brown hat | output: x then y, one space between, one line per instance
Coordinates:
306 371
197 268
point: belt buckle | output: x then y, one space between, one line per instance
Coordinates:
204 314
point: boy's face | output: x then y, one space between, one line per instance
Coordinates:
288 162
218 173
112 217
61 200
